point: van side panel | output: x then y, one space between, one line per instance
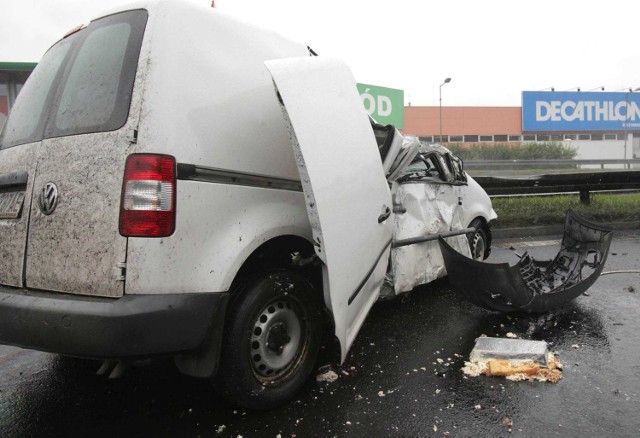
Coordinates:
209 98
217 228
209 102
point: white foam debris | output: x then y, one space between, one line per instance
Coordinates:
328 376
474 369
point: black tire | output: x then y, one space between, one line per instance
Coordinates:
480 241
271 340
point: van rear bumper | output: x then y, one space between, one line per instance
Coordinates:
110 328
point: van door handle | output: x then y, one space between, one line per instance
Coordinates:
384 216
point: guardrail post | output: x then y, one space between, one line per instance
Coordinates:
585 197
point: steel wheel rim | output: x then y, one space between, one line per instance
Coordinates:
478 246
276 339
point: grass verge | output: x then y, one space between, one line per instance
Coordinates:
550 210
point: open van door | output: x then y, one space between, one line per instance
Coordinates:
347 197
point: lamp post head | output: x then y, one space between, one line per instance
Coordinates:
447 80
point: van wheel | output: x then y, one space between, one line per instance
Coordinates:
271 340
478 241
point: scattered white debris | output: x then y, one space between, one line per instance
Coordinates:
437 391
439 360
512 335
221 428
381 394
328 376
477 407
474 369
348 423
435 428
575 346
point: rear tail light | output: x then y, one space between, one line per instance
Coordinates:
148 204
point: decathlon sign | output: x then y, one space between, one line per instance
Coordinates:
580 111
385 105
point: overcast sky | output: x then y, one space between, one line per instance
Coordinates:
491 49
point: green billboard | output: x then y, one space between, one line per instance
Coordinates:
385 105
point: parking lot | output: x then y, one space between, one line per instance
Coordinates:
401 378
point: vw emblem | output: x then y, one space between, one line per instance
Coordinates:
48 198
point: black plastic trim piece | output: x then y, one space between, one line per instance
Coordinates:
366 278
109 328
191 172
530 285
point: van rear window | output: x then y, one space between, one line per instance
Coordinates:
83 83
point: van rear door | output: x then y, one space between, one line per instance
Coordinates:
19 146
73 243
348 199
16 183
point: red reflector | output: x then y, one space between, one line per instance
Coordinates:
148 203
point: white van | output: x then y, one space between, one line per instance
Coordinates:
176 182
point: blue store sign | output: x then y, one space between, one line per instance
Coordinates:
580 111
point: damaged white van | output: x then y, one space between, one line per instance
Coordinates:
176 182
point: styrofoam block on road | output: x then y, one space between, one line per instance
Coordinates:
487 348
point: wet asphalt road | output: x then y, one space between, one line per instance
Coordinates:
392 383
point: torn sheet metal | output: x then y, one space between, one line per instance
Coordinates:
430 209
403 157
531 285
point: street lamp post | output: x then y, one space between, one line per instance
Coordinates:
626 122
446 81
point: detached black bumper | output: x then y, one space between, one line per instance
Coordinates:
531 285
110 328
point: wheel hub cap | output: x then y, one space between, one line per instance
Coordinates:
276 338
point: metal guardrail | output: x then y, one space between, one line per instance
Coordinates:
501 164
582 182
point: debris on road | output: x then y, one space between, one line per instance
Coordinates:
326 375
506 421
515 359
531 285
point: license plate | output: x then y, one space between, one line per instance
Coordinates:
11 204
